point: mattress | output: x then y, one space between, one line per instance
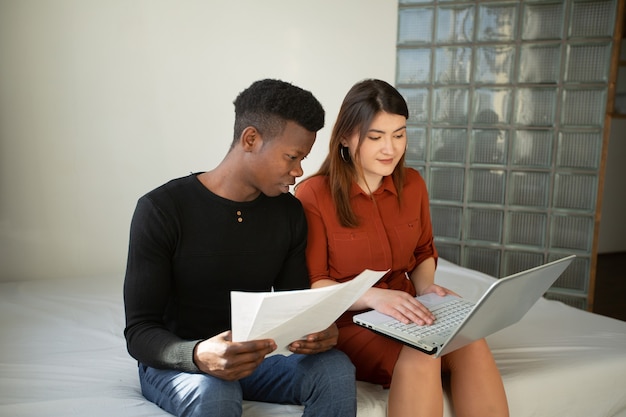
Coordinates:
62 353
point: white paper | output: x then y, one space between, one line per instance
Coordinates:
287 316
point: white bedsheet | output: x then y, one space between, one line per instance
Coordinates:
62 353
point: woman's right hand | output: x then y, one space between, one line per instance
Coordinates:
399 305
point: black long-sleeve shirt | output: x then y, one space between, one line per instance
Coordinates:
188 249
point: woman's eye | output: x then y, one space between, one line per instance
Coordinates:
373 137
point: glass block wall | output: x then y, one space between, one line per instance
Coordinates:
507 102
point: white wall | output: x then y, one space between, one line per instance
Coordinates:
103 100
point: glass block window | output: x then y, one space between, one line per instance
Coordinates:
507 102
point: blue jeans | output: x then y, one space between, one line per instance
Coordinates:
324 383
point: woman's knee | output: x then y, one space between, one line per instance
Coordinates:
476 353
416 362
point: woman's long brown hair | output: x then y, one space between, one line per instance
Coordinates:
362 103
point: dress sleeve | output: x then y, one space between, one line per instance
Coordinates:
317 240
425 247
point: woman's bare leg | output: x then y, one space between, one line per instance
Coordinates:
476 384
415 389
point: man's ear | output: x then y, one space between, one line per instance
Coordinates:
250 137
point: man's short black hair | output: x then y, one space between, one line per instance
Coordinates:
268 104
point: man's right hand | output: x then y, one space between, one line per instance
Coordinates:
219 356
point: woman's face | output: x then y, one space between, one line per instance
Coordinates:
381 149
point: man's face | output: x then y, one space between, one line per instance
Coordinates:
279 161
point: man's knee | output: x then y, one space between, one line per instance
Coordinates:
187 395
212 397
332 367
339 364
329 378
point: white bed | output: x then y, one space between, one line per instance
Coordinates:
62 353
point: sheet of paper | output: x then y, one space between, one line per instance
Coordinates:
287 316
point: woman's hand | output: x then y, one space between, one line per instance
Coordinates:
399 305
437 289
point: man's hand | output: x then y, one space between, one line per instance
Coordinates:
219 356
316 342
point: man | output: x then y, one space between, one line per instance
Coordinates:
236 227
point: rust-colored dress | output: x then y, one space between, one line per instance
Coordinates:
392 234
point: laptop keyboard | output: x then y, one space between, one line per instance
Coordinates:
447 316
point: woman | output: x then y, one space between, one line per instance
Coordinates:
365 209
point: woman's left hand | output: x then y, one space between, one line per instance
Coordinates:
437 289
316 342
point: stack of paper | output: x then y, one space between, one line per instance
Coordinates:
287 316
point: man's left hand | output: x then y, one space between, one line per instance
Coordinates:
316 342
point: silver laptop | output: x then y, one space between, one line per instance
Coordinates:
459 321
